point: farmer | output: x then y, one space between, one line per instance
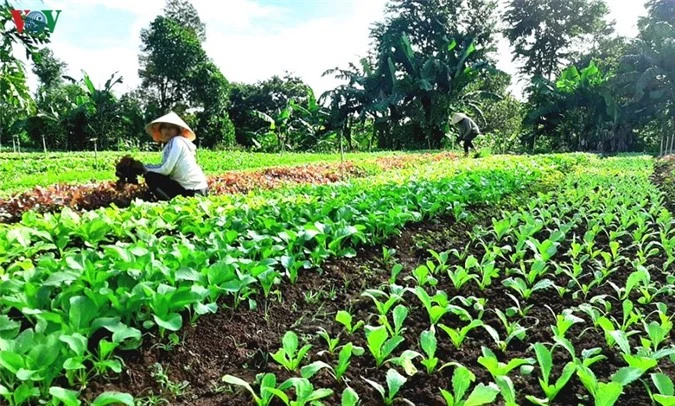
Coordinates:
468 131
179 173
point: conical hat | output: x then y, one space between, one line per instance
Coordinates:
171 118
457 117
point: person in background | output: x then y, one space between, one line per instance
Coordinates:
468 131
178 173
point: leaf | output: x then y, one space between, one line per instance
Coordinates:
608 393
376 337
377 387
77 343
310 370
428 342
344 318
400 313
290 343
394 382
482 395
665 400
113 398
461 380
319 394
67 397
641 275
11 361
82 311
545 360
663 383
173 322
233 380
349 397
627 375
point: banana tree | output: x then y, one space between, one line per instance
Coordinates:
651 68
279 126
97 109
434 83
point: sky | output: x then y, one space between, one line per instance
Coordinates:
249 40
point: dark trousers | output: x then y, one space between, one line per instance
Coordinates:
468 141
165 188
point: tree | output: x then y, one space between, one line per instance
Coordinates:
424 56
545 32
183 12
13 89
652 64
48 68
169 53
269 96
209 90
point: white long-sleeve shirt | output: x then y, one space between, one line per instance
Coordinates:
180 164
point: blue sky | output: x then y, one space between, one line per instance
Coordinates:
249 40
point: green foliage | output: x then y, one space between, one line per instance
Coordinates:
555 25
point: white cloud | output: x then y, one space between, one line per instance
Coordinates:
307 49
250 41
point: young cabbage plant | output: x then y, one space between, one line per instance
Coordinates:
462 379
289 356
657 332
603 393
395 271
614 336
488 272
513 331
441 258
520 286
503 227
261 398
496 368
543 251
457 336
305 394
436 306
399 314
551 389
423 276
344 359
346 319
428 343
517 309
564 322
394 383
460 275
382 307
379 343
332 343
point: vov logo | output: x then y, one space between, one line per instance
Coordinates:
35 21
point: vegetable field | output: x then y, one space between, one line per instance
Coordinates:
544 280
20 172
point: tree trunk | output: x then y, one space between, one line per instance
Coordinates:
44 145
372 137
348 133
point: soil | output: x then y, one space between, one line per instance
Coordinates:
238 341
